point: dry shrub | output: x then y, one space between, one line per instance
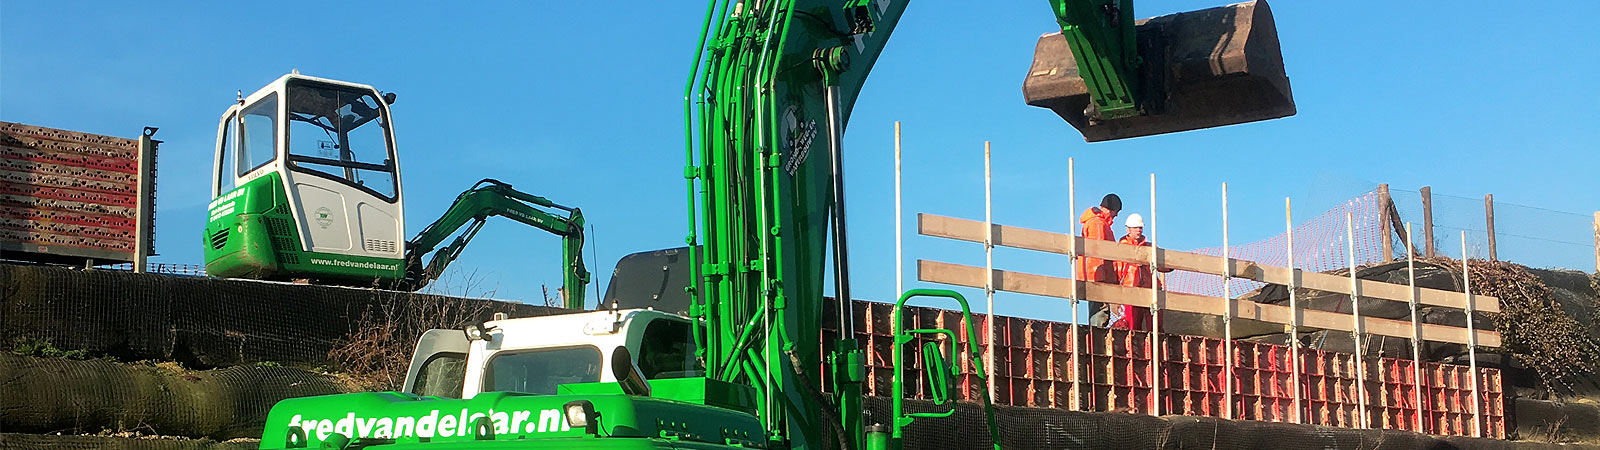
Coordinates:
1534 329
375 354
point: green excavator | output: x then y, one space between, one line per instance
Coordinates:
766 105
307 186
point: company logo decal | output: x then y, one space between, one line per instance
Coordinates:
434 424
324 216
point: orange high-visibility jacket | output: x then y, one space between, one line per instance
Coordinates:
1133 274
1096 225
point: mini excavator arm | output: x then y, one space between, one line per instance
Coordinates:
473 208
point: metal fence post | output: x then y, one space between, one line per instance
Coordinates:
1387 240
1427 221
143 223
1488 215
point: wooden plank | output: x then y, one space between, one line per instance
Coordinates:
1051 242
1057 287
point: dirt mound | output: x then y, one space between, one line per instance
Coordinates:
1548 320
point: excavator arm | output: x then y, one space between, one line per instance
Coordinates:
471 209
766 105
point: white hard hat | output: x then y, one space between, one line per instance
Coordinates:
1135 221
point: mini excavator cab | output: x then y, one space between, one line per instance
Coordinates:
306 181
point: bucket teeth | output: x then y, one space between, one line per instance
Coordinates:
1201 69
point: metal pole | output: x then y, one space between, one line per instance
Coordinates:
1355 314
1416 329
1427 221
899 261
988 265
1488 216
1472 336
1597 241
1072 275
1228 312
1156 355
147 196
1294 312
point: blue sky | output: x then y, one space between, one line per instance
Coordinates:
583 105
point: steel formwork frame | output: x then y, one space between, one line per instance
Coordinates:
1035 370
1066 365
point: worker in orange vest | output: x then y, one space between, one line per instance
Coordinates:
1097 222
1134 275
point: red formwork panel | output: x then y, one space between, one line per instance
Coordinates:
1033 367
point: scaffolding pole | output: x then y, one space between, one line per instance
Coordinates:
1155 306
1416 331
1294 313
1472 337
1228 312
1072 274
1355 314
988 265
899 260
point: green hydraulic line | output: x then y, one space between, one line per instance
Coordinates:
690 173
762 200
489 198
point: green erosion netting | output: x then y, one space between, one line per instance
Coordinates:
14 441
48 395
201 322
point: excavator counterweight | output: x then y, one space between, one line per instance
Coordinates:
1198 69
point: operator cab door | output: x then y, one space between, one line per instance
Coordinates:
340 169
439 367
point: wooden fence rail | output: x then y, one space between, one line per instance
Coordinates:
1051 242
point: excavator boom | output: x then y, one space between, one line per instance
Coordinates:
767 103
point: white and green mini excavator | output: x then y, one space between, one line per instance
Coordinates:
307 186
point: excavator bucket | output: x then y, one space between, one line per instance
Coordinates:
1201 69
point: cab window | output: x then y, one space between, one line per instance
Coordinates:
341 134
260 143
666 350
442 376
541 371
225 148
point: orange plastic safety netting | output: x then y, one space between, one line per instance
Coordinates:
1320 245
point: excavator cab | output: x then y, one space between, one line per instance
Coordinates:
306 182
